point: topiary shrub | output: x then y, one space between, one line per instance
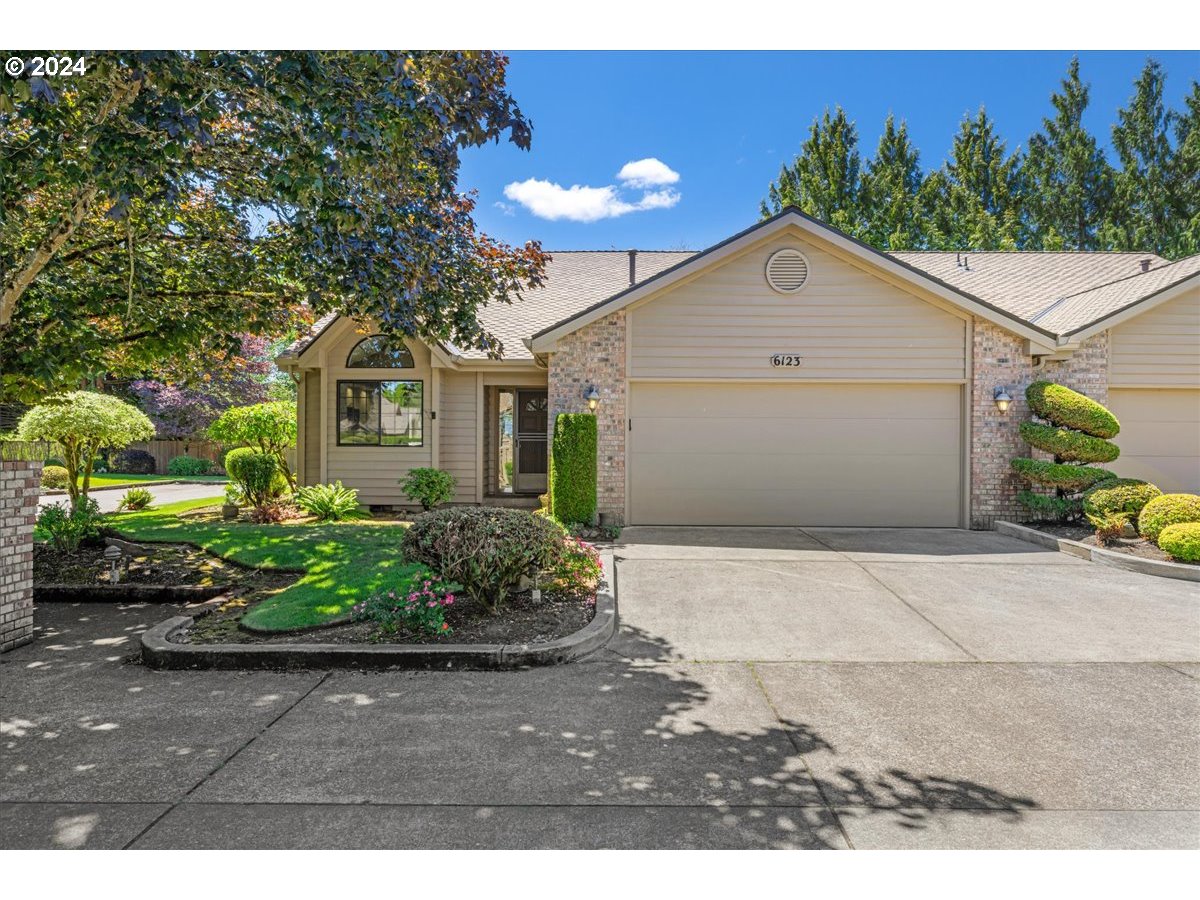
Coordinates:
269 426
1182 541
1119 495
189 466
1076 433
134 462
1059 405
572 473
55 478
256 474
1067 445
484 549
1169 509
429 487
1068 477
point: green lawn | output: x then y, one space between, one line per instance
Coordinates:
111 479
342 563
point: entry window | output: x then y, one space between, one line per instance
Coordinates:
377 352
505 455
380 413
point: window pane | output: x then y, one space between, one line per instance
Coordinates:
504 455
400 412
358 412
376 352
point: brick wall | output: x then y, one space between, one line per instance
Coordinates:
595 355
995 439
19 489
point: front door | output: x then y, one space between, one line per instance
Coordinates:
529 472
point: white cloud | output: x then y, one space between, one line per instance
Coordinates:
507 208
647 173
583 203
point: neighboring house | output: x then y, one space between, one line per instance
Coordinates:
788 375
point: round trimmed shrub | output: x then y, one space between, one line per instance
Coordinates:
187 466
1060 475
134 462
484 549
1067 445
55 478
256 473
1062 406
1169 509
1121 495
1182 541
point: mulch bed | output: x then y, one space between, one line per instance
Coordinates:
520 621
170 564
1132 546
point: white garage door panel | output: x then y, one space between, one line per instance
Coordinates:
740 454
1160 436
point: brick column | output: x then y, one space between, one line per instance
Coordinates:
595 356
20 484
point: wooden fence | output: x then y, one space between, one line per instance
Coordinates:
164 451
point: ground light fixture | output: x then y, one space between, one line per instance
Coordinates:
592 396
1002 399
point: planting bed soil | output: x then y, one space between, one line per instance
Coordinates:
153 564
1136 546
520 621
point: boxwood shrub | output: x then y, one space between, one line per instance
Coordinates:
573 468
55 478
1169 509
1060 475
256 473
1062 406
1120 495
1067 445
134 462
484 549
1182 541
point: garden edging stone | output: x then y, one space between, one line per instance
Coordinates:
1159 568
160 652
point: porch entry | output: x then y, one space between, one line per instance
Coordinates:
521 440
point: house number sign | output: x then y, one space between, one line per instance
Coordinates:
785 360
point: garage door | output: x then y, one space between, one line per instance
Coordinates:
1160 436
754 454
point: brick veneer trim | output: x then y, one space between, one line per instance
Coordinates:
20 484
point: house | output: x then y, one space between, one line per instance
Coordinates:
788 375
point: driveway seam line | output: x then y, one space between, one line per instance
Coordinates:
889 589
226 761
804 759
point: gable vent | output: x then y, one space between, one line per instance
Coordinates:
787 270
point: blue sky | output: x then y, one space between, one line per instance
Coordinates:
724 122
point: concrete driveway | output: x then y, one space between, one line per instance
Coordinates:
109 498
773 688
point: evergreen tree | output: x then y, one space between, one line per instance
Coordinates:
824 180
891 192
1185 177
1141 216
1066 181
973 201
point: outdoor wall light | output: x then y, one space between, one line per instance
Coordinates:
592 397
1002 399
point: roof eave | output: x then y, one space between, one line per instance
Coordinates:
1130 310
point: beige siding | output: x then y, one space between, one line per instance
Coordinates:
458 420
310 433
845 323
779 454
374 471
1160 436
1159 348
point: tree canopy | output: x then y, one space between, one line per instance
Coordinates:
169 200
1061 193
83 423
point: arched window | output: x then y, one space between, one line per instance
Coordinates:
376 352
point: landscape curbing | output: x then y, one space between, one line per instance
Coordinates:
160 652
1159 568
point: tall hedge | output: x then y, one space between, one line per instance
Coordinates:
1074 429
573 468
